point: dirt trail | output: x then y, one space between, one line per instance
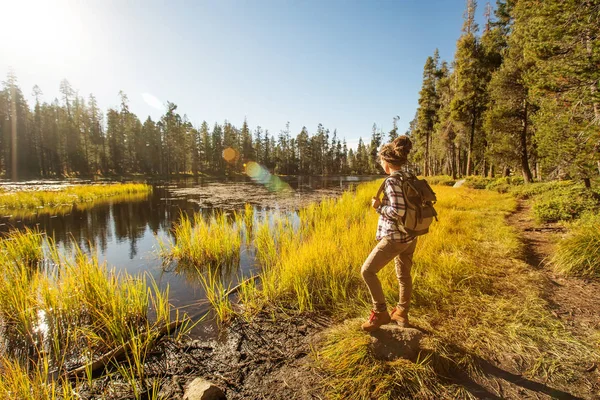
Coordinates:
574 301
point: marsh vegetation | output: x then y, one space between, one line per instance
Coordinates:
475 297
62 314
62 199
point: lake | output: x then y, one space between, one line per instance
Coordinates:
125 234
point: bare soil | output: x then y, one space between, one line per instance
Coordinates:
266 358
574 301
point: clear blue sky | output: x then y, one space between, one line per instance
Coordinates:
346 64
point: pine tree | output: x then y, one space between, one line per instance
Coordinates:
561 39
304 152
203 147
372 161
469 101
393 134
428 108
508 118
248 151
259 145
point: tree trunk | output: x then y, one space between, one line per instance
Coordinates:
426 165
470 151
523 150
13 138
453 160
458 162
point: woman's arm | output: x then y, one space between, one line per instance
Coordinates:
396 209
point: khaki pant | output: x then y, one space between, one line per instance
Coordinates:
382 254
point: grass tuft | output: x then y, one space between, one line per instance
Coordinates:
201 244
578 254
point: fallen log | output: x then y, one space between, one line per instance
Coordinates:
120 351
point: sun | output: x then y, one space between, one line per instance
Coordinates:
39 31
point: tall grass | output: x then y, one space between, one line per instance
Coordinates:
201 243
45 201
469 292
60 310
579 252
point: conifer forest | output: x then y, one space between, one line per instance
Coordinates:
520 97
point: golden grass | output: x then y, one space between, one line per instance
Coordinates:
578 253
27 202
58 309
201 244
471 291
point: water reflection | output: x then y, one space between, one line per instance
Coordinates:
124 232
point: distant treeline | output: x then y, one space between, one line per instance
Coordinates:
71 136
524 95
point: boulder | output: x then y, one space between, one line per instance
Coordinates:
201 389
391 342
459 183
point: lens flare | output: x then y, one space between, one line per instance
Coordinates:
230 155
260 174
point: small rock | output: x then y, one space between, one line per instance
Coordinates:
201 389
391 342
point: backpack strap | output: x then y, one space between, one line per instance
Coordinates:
381 187
397 174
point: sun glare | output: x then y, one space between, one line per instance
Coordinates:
41 30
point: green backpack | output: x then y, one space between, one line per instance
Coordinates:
419 199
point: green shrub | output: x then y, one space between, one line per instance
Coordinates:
564 203
579 253
444 180
477 182
517 180
534 189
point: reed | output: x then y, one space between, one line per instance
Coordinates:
217 294
201 244
19 382
45 201
69 309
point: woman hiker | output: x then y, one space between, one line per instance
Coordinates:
393 242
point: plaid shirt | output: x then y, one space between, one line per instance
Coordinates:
391 211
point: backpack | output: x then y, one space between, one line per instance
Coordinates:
419 199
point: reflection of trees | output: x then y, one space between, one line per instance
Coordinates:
125 219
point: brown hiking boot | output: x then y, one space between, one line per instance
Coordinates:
376 319
399 317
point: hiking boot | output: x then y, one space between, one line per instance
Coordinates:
400 317
376 319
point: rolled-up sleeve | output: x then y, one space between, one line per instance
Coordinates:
396 209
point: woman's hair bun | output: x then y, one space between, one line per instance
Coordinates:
402 145
396 152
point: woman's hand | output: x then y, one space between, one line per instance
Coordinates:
375 202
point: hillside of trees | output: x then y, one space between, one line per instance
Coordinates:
71 136
522 96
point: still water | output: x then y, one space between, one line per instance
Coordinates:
125 234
